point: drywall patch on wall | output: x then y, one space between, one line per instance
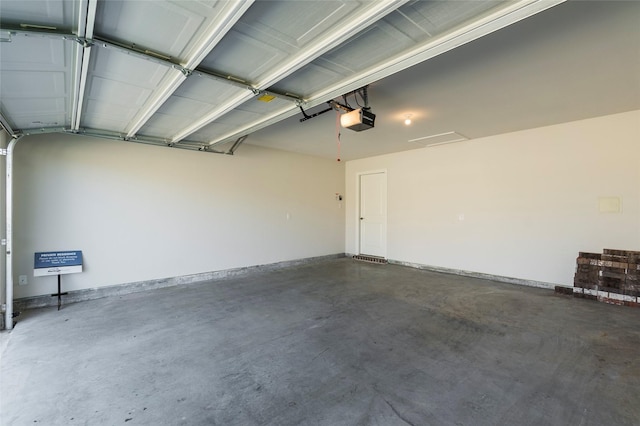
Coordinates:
610 204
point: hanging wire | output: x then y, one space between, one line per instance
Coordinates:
345 100
338 134
364 95
355 96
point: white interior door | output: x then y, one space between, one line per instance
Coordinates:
373 214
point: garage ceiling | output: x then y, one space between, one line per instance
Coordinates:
202 75
577 60
196 74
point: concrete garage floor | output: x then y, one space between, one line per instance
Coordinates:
332 343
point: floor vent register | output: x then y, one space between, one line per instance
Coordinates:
370 259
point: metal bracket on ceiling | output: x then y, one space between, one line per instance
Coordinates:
333 105
236 144
337 106
238 82
29 30
340 107
185 71
208 148
364 94
306 116
133 50
188 145
84 42
7 38
4 123
81 131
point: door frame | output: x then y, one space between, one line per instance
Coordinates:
359 204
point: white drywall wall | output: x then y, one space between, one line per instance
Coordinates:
142 212
529 199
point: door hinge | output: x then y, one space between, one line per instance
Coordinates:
3 151
3 242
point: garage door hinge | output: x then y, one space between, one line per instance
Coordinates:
186 72
84 42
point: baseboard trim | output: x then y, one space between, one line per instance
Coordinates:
136 287
483 276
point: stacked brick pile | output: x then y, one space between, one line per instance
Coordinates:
611 277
